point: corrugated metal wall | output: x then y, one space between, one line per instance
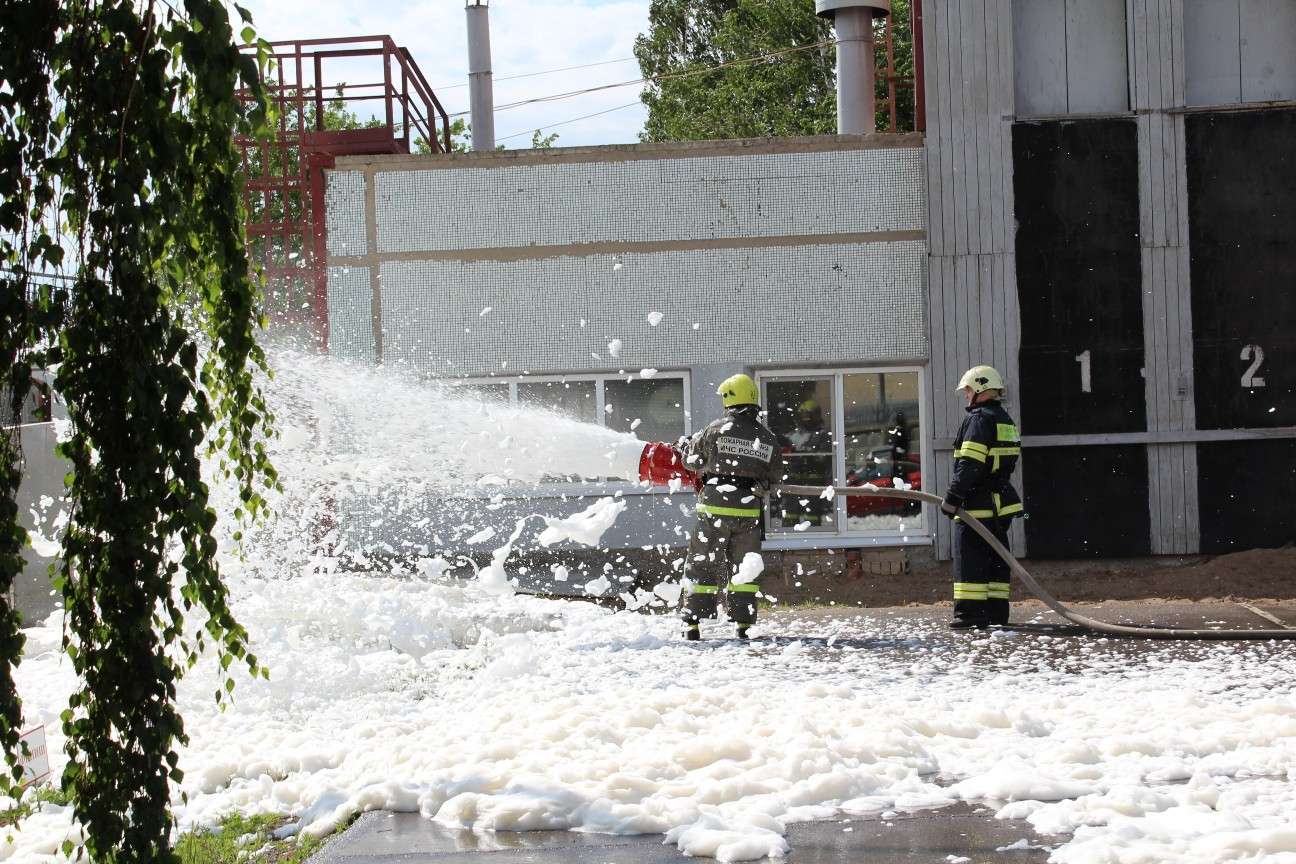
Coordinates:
1157 92
996 65
972 270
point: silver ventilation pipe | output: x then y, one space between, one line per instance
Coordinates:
481 98
853 21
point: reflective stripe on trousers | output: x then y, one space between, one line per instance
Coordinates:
717 548
982 591
741 512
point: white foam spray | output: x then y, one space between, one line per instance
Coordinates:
369 426
371 460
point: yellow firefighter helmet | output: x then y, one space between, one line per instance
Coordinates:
739 390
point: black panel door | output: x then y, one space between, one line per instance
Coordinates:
1079 288
1246 490
1242 231
1088 501
1079 277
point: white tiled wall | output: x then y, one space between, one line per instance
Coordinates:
764 258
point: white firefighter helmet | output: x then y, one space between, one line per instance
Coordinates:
981 378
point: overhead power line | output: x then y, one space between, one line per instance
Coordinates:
545 72
667 77
565 122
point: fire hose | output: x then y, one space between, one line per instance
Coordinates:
661 465
1144 632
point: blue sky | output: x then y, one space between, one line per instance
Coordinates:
591 40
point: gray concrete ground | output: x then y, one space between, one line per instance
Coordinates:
965 832
959 832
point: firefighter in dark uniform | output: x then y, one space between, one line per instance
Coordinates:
986 451
807 467
897 438
737 459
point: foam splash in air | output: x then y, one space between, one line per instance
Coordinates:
585 527
372 462
366 426
749 569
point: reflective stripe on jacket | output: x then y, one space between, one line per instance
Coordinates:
737 459
986 451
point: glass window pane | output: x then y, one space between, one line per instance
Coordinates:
801 414
498 393
650 408
574 399
35 408
880 420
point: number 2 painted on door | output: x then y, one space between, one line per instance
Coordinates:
1255 354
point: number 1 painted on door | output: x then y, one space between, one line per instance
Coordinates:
1086 382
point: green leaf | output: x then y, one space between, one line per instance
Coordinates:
148 191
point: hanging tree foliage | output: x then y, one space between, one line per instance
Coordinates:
118 171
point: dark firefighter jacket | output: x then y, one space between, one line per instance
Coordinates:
737 459
986 450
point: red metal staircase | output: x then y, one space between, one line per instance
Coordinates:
313 88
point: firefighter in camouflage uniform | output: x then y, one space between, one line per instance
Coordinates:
736 459
986 451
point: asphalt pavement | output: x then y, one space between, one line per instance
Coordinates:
966 833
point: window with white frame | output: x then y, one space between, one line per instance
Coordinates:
845 428
651 409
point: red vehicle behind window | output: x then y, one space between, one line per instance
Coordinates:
883 474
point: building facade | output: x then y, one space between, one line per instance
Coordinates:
620 285
1103 206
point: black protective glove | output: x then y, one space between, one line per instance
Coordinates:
950 505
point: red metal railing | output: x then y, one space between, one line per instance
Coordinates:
384 106
896 84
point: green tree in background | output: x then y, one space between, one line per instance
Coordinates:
460 138
696 96
721 69
118 172
543 142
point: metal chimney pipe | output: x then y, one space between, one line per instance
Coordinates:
853 21
481 98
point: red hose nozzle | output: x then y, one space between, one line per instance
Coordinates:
660 463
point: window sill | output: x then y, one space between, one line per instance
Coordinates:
839 541
620 488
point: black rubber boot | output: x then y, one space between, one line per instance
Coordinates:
742 631
692 632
